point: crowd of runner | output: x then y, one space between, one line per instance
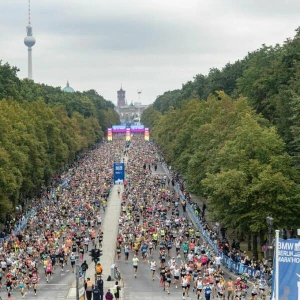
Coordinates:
154 220
64 226
67 224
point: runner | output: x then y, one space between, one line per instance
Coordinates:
207 291
230 287
116 290
135 264
48 270
153 266
184 284
73 261
34 282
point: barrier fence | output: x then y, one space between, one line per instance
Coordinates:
233 266
20 226
22 223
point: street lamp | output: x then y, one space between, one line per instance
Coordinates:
77 276
270 222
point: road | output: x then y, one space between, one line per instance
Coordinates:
141 287
57 288
144 288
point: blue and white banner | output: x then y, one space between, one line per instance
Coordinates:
289 270
119 173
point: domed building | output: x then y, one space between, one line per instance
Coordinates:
68 89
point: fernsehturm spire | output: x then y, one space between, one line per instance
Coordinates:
29 41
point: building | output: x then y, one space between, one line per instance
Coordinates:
121 98
129 113
68 89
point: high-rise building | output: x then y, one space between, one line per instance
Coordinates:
121 98
29 41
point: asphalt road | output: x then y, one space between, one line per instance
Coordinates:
58 286
143 288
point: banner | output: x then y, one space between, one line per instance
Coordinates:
81 288
119 173
128 134
289 270
109 134
137 128
118 128
147 135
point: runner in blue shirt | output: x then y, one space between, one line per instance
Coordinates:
207 291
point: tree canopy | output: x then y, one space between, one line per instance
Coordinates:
42 130
234 135
267 77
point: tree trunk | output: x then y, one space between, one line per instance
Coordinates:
249 242
261 238
255 253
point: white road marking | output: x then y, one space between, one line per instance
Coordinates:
45 284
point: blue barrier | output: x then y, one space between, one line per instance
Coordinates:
30 214
20 226
233 266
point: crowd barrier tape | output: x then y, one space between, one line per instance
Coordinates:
230 264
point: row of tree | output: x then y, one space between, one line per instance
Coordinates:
270 79
239 153
42 130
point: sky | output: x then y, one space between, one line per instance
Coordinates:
151 46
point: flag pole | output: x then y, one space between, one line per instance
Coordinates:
277 264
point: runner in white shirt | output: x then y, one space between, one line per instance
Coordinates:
150 246
218 259
184 284
153 266
135 264
190 257
198 286
176 274
220 289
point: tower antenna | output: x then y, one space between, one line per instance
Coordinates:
139 106
29 20
29 41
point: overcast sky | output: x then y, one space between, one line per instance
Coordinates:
153 46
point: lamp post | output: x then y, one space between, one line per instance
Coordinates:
270 222
77 277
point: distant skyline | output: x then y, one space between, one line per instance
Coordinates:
152 46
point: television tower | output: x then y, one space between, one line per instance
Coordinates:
139 104
29 41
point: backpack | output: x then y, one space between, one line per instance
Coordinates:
116 289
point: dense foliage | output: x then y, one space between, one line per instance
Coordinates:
42 130
270 79
240 153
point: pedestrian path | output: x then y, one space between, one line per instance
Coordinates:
110 229
154 295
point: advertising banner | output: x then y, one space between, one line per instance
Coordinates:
128 134
147 134
137 128
81 288
109 134
118 128
289 270
119 173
